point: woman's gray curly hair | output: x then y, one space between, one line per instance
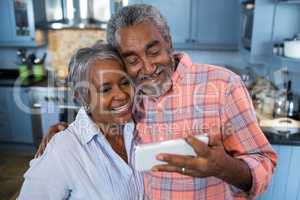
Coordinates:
132 15
80 67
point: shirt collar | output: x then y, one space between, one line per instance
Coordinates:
85 128
184 63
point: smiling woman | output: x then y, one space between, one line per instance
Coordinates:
91 159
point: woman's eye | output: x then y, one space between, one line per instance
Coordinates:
125 82
104 90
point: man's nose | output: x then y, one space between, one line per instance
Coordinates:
148 67
119 94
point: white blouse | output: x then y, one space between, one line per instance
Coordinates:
79 163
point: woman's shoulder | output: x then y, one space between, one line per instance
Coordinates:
59 148
64 140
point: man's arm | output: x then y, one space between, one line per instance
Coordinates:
211 160
46 139
241 154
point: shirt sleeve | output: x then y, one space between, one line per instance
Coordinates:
244 139
45 178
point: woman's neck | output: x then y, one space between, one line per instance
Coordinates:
110 129
114 135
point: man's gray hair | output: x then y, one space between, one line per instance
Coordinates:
80 67
132 15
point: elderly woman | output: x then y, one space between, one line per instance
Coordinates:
91 158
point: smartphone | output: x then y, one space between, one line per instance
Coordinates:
145 154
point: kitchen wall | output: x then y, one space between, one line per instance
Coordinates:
63 43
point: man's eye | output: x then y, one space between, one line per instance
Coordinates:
125 82
154 51
132 60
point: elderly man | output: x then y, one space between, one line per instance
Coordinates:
177 98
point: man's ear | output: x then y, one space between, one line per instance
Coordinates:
169 43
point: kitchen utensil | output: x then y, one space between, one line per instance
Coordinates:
287 104
247 23
281 126
268 103
38 69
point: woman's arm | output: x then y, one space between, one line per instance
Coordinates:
45 179
54 129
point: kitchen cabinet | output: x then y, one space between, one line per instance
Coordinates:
215 23
261 45
274 21
286 180
20 115
286 26
200 25
17 23
5 128
15 117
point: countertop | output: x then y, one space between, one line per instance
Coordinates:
10 78
288 139
27 83
293 140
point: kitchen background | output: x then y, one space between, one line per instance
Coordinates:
260 40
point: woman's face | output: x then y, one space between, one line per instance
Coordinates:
111 93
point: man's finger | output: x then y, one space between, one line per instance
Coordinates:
180 160
40 151
215 136
199 147
62 126
172 168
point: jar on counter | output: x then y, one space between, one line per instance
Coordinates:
281 50
275 49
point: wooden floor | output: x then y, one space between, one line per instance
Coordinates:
12 167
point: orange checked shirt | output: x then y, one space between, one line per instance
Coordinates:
203 97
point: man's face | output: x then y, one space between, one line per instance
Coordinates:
147 57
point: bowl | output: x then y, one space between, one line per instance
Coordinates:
292 49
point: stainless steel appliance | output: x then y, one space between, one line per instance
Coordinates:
77 13
247 23
50 105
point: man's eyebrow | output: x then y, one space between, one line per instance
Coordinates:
127 53
152 43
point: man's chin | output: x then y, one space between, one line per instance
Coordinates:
157 91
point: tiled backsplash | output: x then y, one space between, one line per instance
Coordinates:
63 43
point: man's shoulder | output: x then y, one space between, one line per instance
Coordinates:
211 73
212 69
